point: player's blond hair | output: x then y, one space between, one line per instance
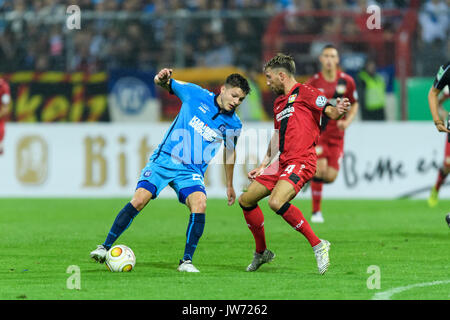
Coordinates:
281 60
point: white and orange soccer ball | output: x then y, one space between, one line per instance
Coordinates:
120 258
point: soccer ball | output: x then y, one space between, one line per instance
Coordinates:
447 218
120 258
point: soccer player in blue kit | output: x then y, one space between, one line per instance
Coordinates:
205 121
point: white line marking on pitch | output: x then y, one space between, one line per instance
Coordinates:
386 295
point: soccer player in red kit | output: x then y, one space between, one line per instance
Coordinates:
5 99
333 83
298 111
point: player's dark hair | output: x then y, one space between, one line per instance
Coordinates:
281 61
329 46
235 80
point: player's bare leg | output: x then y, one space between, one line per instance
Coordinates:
255 222
255 192
196 202
140 199
279 202
324 174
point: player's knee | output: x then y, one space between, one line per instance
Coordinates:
275 204
328 179
139 203
198 206
196 202
318 174
245 202
140 200
330 176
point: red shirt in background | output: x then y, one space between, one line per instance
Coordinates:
343 87
5 98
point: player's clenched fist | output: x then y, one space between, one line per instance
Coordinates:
343 105
163 76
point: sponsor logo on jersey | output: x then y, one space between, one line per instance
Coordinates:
203 107
321 101
292 98
203 129
286 113
341 88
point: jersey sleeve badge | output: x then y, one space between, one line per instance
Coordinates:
321 101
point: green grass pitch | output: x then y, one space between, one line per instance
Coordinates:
405 239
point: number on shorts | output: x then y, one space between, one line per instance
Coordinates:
290 168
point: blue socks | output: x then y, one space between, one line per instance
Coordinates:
128 213
193 234
122 222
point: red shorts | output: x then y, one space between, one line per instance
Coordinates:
296 172
2 130
332 151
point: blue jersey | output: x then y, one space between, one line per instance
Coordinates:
199 129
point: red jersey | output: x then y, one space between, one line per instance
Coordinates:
5 97
343 87
297 116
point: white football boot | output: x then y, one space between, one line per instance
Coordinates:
187 266
99 254
322 256
259 259
317 217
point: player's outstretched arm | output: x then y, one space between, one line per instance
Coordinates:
433 102
162 79
337 112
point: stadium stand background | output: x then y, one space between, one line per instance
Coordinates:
149 35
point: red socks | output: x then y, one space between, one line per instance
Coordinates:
316 191
295 218
441 179
291 214
255 222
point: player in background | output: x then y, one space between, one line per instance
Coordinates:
441 81
5 99
205 121
333 83
298 110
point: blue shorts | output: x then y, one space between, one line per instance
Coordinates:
161 172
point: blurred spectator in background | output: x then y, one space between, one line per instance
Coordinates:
221 52
157 39
245 45
433 20
372 92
